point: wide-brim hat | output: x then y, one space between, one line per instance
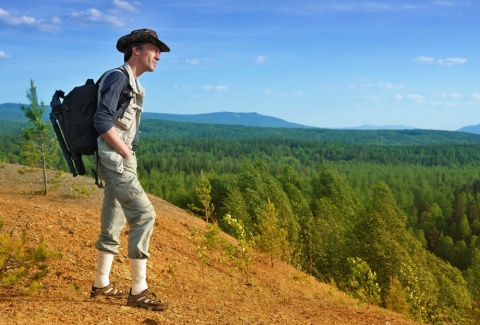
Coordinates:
141 35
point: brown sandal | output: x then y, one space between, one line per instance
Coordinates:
107 292
147 300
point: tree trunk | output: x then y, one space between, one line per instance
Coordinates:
44 167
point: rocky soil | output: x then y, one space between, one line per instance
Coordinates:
217 293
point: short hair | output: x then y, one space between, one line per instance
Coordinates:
129 50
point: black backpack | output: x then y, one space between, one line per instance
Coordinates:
72 121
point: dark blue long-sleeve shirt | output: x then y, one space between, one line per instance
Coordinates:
110 93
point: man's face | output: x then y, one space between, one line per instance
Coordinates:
148 56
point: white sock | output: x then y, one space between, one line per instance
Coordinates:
104 265
138 268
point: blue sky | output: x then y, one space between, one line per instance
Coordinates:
323 63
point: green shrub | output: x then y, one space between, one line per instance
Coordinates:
238 228
80 191
362 282
22 266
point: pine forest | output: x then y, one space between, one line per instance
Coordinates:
391 217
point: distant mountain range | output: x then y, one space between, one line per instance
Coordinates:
381 127
228 118
471 129
12 112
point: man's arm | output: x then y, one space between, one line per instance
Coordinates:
109 95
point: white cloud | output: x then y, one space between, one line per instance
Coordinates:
177 87
216 89
266 92
381 85
22 20
4 55
446 61
260 59
124 5
448 95
53 24
476 96
452 61
456 96
194 61
443 104
280 94
221 89
389 86
96 16
11 19
419 99
425 59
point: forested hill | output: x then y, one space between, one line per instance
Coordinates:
12 120
160 129
471 129
226 118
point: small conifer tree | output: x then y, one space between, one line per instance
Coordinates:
39 143
395 297
203 191
271 239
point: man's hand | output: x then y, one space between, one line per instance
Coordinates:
113 140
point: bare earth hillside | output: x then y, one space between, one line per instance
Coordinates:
69 222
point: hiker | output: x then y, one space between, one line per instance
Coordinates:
125 201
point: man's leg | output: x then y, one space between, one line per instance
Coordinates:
104 265
138 268
112 223
112 220
137 208
140 216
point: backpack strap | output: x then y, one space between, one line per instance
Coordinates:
98 180
126 95
123 102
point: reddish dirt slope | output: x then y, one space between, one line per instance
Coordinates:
279 295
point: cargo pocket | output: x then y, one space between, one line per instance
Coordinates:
130 165
125 121
129 191
109 158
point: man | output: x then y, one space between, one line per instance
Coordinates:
124 200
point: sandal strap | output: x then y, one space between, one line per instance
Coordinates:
146 299
108 291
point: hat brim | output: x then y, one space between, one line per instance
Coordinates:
124 41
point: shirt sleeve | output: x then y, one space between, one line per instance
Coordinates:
110 93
